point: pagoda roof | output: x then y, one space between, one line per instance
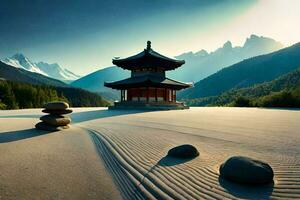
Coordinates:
148 59
147 81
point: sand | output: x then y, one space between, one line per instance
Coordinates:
121 154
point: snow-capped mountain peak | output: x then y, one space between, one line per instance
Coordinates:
21 61
52 70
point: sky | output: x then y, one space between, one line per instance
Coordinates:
84 36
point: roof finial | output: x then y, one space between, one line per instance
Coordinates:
148 45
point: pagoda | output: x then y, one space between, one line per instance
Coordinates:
148 87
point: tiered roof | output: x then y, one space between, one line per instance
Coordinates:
147 81
148 59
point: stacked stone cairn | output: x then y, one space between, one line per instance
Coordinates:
55 120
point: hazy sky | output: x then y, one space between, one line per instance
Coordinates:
84 35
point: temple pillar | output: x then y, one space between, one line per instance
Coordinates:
175 96
121 95
139 93
128 95
156 94
147 94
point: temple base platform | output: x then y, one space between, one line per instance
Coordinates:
140 105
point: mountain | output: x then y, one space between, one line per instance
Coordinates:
202 64
8 72
94 82
246 73
52 70
20 61
20 88
198 65
287 82
56 71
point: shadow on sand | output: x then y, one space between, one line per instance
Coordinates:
21 135
170 161
166 161
21 116
78 117
280 108
247 191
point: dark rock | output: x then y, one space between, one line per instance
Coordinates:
56 120
47 127
246 170
56 105
183 151
58 112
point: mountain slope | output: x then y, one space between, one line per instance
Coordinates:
20 88
15 95
246 73
56 71
287 82
52 70
20 61
198 65
202 64
95 81
8 72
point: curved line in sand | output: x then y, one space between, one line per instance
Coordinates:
139 178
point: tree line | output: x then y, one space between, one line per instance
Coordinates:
281 92
17 95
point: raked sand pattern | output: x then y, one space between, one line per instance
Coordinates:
133 145
138 144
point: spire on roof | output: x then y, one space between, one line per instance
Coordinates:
148 58
148 45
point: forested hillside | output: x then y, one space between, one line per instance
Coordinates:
247 73
16 95
281 92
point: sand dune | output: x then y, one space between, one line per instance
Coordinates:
132 147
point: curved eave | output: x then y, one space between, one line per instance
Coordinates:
148 58
147 83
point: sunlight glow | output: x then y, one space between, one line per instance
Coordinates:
278 19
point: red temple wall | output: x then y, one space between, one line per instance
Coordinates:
143 93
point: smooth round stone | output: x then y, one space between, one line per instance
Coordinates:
47 127
246 170
56 120
56 105
58 112
183 151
